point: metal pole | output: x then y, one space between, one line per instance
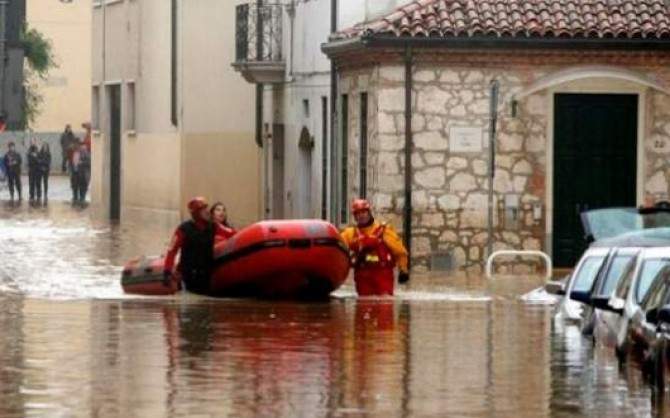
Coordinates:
333 122
3 54
409 148
495 87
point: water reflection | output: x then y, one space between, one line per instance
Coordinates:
73 345
347 357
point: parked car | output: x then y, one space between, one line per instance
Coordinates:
619 323
647 335
657 359
617 234
604 284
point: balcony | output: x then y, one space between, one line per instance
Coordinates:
258 43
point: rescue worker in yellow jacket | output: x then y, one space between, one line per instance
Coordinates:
375 250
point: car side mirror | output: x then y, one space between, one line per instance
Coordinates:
583 296
652 316
664 315
555 288
616 305
600 302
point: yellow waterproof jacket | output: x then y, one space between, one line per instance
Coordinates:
390 238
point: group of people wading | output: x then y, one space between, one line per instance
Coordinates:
375 249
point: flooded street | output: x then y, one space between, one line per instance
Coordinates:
73 345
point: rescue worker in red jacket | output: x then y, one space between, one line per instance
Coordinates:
375 250
195 239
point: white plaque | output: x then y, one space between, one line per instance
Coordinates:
465 139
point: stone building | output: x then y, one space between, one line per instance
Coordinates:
583 120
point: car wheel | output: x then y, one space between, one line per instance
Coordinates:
658 371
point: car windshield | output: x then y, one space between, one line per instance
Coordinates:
587 273
649 271
614 274
607 223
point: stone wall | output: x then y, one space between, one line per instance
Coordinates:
657 146
450 188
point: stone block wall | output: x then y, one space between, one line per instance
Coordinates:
450 188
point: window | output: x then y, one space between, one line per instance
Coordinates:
587 273
656 294
626 281
305 108
130 107
95 108
619 266
324 157
648 273
363 163
344 162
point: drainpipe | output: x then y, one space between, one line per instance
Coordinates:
409 148
333 119
259 86
495 87
3 52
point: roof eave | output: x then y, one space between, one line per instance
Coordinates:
335 47
373 41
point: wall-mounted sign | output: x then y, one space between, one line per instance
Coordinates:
465 139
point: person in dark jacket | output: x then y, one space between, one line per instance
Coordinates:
34 187
81 172
195 240
44 157
12 160
67 144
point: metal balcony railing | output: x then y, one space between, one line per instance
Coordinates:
258 33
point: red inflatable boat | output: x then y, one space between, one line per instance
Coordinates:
299 259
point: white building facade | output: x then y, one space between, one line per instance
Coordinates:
302 175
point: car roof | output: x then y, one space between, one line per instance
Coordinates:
654 237
659 252
596 251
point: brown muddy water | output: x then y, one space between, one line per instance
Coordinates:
71 344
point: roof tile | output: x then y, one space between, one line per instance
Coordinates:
523 18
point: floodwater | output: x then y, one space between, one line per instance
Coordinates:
71 344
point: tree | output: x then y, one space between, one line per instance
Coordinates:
40 60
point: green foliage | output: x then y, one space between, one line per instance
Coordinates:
38 51
40 60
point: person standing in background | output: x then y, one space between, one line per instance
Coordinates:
34 189
67 144
44 157
12 162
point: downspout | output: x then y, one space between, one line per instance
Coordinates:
409 148
495 86
259 86
333 119
3 55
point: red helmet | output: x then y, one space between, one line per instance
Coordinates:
196 204
360 205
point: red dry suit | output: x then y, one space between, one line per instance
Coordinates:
375 251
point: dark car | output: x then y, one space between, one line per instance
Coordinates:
651 334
